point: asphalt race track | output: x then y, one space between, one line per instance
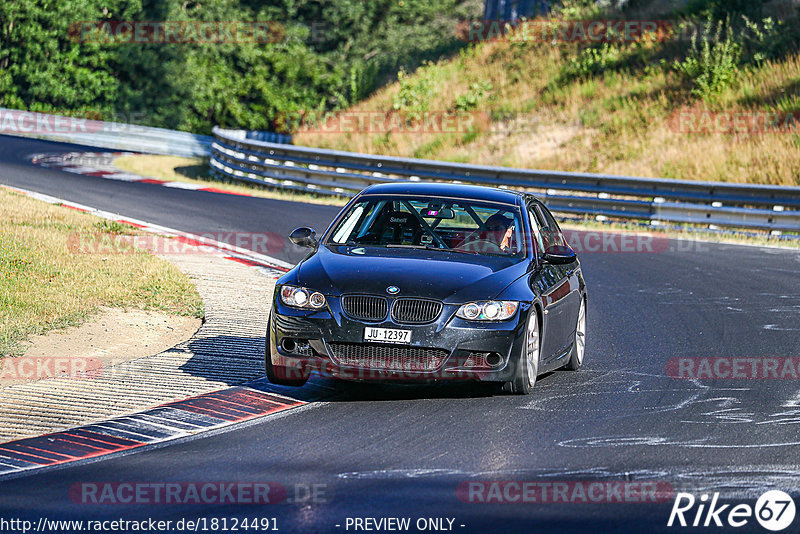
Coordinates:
409 451
206 212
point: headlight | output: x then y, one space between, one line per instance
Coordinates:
300 297
490 310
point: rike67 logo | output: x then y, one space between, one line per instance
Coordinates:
774 510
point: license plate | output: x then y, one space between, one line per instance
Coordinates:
387 335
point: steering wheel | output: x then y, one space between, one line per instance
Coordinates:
481 245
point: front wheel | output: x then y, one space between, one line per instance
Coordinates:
527 368
278 374
579 345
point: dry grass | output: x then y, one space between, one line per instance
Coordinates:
173 168
617 121
46 285
196 171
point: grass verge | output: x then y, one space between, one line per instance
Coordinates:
45 284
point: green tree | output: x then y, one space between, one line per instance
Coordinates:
45 67
333 54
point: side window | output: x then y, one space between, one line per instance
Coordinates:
355 223
536 228
551 233
344 231
400 207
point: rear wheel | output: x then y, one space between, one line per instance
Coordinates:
528 363
282 376
579 346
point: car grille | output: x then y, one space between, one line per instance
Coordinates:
387 357
416 311
365 307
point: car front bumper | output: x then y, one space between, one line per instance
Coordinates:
331 343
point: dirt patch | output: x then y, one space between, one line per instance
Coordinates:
112 337
525 143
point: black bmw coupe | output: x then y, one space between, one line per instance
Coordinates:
430 281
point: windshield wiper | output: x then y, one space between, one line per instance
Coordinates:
462 251
430 247
421 247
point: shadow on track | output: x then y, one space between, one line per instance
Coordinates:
238 360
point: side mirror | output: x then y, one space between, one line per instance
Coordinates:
558 255
304 237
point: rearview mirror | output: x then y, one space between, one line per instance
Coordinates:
304 237
558 255
438 213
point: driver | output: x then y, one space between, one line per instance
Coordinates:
499 230
496 237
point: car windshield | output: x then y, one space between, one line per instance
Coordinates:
437 224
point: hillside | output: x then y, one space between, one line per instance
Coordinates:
725 108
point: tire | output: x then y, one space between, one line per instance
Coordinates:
527 365
579 345
277 374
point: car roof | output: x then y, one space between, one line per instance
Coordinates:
437 189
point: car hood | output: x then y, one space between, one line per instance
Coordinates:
451 277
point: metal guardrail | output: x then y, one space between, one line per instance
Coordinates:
243 156
102 134
332 172
269 137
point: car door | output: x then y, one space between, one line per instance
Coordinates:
545 282
556 288
568 289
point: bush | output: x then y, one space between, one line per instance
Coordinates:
578 9
724 9
593 60
768 39
415 92
712 64
474 97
